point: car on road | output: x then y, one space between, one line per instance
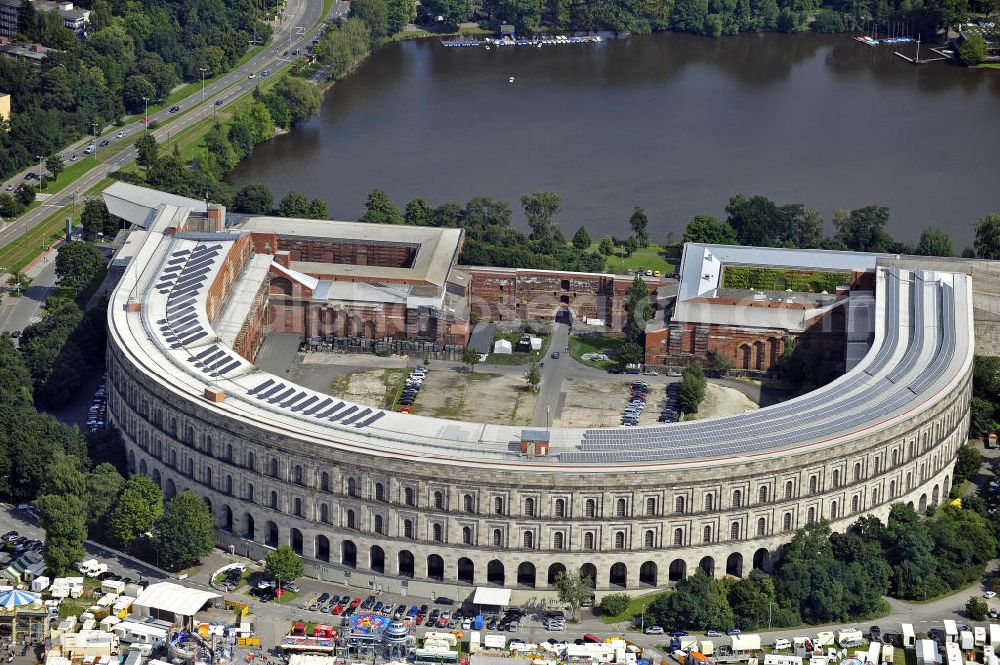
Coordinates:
174 109
16 334
252 75
73 157
219 102
679 633
89 150
654 630
994 613
990 594
733 632
290 586
266 72
711 632
555 355
105 143
120 135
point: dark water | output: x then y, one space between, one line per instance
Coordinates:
673 123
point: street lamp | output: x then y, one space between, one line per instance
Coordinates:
94 126
203 70
39 158
145 114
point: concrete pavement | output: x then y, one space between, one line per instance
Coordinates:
299 13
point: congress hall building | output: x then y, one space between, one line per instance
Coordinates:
422 505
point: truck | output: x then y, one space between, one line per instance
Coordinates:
92 567
849 638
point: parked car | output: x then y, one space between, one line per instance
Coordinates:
990 594
711 632
732 632
654 630
679 633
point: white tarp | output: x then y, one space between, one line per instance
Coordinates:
491 596
502 346
169 597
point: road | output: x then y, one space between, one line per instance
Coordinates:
18 313
550 395
295 31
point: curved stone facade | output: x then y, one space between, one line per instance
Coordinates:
359 519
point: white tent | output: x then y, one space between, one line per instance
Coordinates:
502 346
492 596
171 602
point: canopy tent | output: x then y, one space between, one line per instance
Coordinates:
493 596
171 602
16 598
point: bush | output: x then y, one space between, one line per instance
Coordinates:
973 50
827 20
976 609
615 604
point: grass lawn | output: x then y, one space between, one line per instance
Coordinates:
653 257
517 358
635 607
69 608
286 597
581 344
72 171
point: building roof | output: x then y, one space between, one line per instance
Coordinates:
137 205
488 595
481 339
437 248
170 597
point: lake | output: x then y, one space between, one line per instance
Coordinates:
671 122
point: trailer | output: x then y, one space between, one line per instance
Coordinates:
824 638
909 639
953 654
873 656
781 659
927 653
888 653
980 633
967 641
950 631
995 636
850 637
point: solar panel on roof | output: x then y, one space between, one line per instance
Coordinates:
333 409
356 416
194 338
262 386
203 353
293 399
347 412
318 407
270 391
282 396
371 419
301 405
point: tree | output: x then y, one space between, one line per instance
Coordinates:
607 246
615 604
987 241
380 210
147 149
708 229
582 239
638 310
63 477
967 464
64 519
574 589
104 484
294 204
78 263
400 12
934 242
973 50
284 565
981 412
139 506
255 199
9 206
697 602
470 357
630 353
137 92
55 165
976 609
418 213
96 218
630 246
184 532
639 223
692 390
863 230
754 219
24 194
534 376
374 14
540 207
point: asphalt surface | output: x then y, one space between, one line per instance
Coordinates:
294 31
553 370
16 313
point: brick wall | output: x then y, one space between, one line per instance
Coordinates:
232 267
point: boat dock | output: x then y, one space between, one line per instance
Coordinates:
537 42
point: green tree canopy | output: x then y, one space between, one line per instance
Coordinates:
934 242
614 604
581 239
139 506
255 198
708 229
574 589
103 486
96 219
638 310
606 246
64 519
380 210
78 263
973 50
147 149
540 208
863 230
294 204
55 164
639 223
987 240
697 602
968 463
418 213
184 532
283 564
693 386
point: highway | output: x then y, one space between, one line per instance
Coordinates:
295 31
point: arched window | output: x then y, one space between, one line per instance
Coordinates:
251 462
408 496
874 496
557 540
761 526
407 528
352 487
836 477
789 490
467 535
560 508
324 513
588 540
855 503
619 540
833 510
528 538
895 457
378 524
324 481
298 474
438 533
468 504
651 505
737 498
350 520
274 500
274 468
679 504
498 505
439 500
190 466
706 534
678 536
229 451
786 522
709 501
813 484
734 531
250 492
620 508
497 538
762 494
857 471
529 507
229 485
648 540
812 516
877 465
892 489
379 492
297 509
208 476
591 507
